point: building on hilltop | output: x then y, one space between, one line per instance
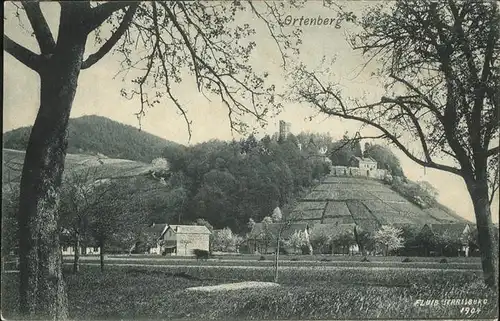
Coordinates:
367 163
284 129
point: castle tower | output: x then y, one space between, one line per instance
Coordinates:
365 151
284 130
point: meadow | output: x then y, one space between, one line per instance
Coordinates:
156 292
291 261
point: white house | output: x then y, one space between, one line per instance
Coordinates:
89 250
366 163
68 248
183 239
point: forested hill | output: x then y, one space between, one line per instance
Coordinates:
96 134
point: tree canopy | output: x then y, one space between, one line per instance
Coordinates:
230 183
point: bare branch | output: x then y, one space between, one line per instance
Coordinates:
270 28
430 104
25 56
187 42
494 185
102 12
416 124
40 26
492 151
167 83
108 45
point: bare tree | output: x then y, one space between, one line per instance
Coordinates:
282 226
439 62
185 242
80 195
160 42
115 215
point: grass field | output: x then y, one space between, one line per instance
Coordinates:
304 258
290 261
124 292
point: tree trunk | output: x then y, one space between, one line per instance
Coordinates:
276 260
101 254
76 263
488 245
41 287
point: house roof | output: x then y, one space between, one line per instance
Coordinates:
260 229
365 159
189 229
157 228
453 230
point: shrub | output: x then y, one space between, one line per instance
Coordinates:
443 260
305 250
365 259
262 258
201 254
406 259
294 259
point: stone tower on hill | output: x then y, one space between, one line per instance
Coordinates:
284 129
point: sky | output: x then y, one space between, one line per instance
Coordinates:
99 93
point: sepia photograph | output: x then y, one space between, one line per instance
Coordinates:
250 160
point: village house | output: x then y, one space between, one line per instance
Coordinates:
183 239
262 238
456 235
155 232
366 163
89 250
67 245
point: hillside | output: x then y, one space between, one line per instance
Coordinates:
368 203
13 160
138 177
99 135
